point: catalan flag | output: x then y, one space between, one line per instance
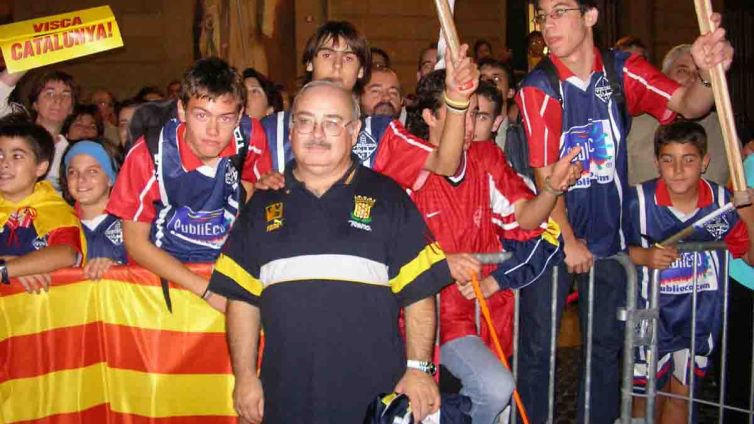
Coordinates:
110 352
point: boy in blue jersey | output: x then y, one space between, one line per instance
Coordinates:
586 97
340 53
658 209
39 232
180 191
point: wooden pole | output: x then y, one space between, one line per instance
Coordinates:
445 15
724 111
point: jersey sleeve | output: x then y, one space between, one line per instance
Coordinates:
136 188
401 155
542 117
632 218
257 161
737 239
66 236
647 89
236 273
416 264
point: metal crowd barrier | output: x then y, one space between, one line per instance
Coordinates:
638 320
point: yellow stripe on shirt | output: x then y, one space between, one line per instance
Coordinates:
430 255
228 267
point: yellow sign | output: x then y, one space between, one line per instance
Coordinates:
39 42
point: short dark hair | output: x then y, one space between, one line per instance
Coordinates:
147 90
682 132
339 31
39 140
126 103
583 4
489 91
84 110
53 75
211 78
270 89
495 63
378 51
429 94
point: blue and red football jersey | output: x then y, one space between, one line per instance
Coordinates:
589 117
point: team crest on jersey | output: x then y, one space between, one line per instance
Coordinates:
40 242
365 146
114 233
598 151
273 213
717 227
231 175
602 89
361 216
679 277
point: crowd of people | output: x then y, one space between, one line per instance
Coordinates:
331 214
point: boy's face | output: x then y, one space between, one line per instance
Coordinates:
336 61
566 34
55 102
209 125
681 166
485 122
19 169
87 182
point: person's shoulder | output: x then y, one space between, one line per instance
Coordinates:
372 181
538 79
271 120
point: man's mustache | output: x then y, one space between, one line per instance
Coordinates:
322 144
384 108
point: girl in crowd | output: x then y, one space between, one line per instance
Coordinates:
88 175
262 98
83 124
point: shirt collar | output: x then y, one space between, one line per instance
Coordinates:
705 198
189 160
564 73
348 177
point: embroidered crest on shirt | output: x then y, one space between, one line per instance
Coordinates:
40 242
718 227
274 215
361 216
231 176
597 154
602 89
365 146
114 233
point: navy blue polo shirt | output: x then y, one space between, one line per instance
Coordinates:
330 275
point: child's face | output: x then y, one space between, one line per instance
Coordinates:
88 184
19 169
681 166
84 127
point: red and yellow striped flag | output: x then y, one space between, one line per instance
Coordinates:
110 352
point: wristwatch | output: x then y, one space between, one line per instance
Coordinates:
4 278
423 366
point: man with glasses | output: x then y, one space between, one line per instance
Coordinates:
178 199
581 107
326 264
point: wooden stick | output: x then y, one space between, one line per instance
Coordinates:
724 111
448 25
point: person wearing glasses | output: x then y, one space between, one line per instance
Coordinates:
180 190
584 110
326 264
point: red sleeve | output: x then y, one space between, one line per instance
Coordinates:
543 121
258 161
737 240
647 89
136 187
401 155
507 181
65 236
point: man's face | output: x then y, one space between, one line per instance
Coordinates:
124 121
382 95
336 61
498 77
427 63
174 90
256 100
82 128
323 131
209 124
681 165
19 169
483 51
564 35
485 122
55 102
104 103
683 70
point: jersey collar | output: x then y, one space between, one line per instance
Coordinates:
662 196
564 73
189 160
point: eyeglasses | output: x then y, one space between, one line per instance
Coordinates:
331 127
557 13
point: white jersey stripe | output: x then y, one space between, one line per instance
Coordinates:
324 267
646 84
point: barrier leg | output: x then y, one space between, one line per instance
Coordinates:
553 346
